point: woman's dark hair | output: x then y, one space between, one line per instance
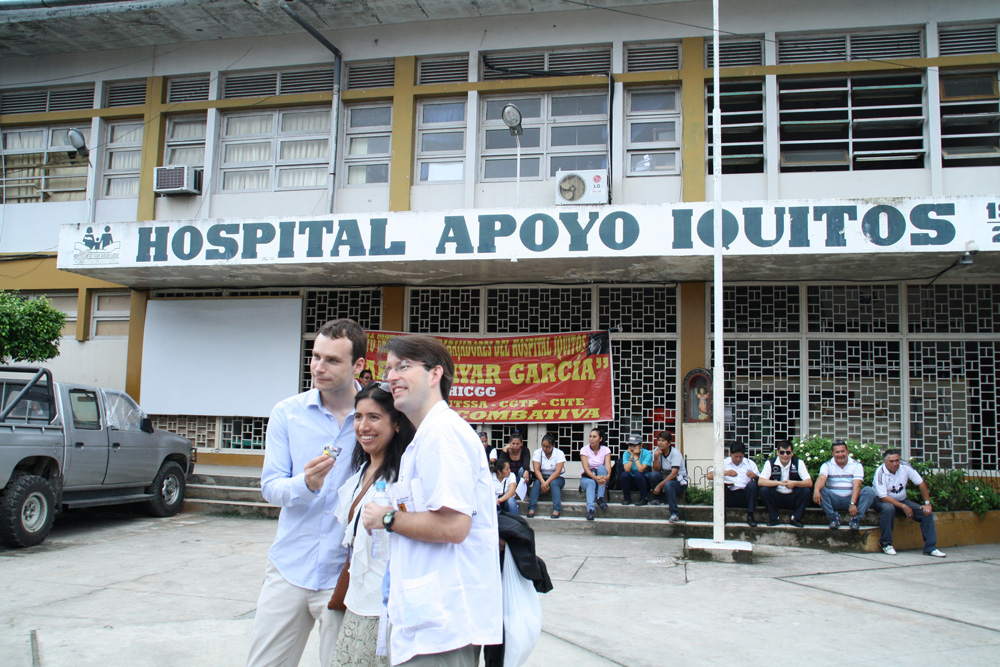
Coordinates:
389 470
551 437
600 433
497 463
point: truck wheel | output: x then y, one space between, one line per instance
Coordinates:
168 490
27 509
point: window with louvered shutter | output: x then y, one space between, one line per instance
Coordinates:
42 100
442 70
371 75
742 106
126 94
249 85
524 64
970 118
306 81
188 90
849 46
652 57
520 63
966 40
736 53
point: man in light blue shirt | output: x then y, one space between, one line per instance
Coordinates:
302 478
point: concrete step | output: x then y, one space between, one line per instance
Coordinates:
219 492
224 480
258 510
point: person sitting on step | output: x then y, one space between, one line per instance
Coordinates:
784 484
636 461
669 477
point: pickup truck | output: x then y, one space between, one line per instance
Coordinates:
65 446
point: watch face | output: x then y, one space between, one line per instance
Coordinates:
572 187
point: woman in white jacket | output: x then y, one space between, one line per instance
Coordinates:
382 433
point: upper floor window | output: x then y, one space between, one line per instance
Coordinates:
66 302
275 150
970 119
39 165
185 142
123 157
441 141
742 109
873 121
109 315
562 132
368 133
652 130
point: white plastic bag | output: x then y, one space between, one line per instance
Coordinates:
522 615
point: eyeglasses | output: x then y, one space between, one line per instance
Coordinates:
379 384
401 368
784 451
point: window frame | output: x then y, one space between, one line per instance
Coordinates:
171 144
652 147
131 142
274 138
446 156
97 315
54 157
366 160
545 122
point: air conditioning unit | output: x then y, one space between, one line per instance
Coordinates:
177 180
589 186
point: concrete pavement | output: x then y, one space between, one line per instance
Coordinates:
118 588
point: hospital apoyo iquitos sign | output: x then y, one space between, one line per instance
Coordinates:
749 228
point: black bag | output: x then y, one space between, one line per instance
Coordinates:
615 483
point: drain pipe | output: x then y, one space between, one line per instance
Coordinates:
337 63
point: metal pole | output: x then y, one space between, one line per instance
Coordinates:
718 379
517 195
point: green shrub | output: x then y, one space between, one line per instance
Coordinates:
952 490
815 450
698 496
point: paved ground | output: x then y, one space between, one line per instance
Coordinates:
111 588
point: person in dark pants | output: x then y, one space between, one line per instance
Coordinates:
784 484
668 479
889 485
635 463
741 476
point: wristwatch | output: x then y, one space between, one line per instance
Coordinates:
387 520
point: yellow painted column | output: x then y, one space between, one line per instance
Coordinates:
403 124
393 307
154 126
136 324
693 155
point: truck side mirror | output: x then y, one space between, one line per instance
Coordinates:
146 425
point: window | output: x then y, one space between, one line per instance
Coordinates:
83 405
123 156
368 137
441 141
970 119
562 132
65 302
109 318
122 412
185 142
742 110
40 165
652 132
852 123
275 150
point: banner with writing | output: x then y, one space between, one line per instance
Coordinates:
525 379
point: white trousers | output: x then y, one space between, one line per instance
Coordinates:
285 617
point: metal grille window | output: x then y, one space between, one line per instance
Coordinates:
110 314
953 402
652 132
645 389
202 431
562 132
763 392
442 310
760 309
970 119
853 309
185 142
364 306
40 165
973 309
244 433
855 390
275 150
369 135
852 123
651 309
538 310
441 141
742 111
122 159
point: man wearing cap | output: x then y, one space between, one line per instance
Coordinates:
636 462
669 476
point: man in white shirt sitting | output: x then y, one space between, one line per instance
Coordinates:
784 484
838 487
890 492
740 479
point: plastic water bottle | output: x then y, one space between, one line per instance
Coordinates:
380 538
